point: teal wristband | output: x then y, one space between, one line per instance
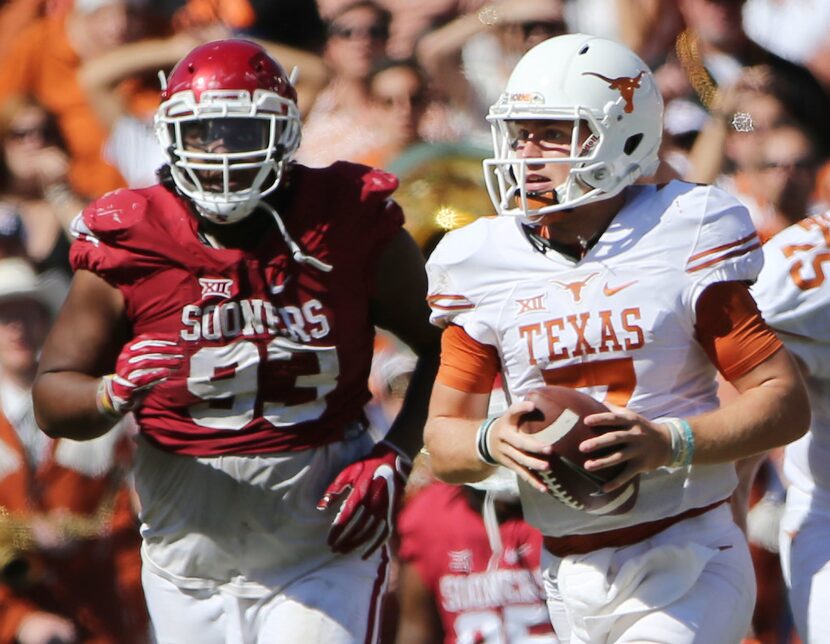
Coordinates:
689 439
682 442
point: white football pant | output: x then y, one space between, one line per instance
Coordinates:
337 604
692 583
804 542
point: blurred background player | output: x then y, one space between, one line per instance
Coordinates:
69 544
469 566
645 276
793 294
232 309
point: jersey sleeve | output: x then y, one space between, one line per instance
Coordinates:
467 365
724 244
457 277
794 295
731 330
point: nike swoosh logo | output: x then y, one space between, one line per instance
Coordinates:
608 291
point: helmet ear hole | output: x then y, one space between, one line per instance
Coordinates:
631 143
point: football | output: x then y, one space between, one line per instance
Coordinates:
557 420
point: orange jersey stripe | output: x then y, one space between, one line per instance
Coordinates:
449 302
716 260
717 249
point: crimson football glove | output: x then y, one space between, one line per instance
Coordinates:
144 362
373 489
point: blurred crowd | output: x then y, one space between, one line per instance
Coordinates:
394 84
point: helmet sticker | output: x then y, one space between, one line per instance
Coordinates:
624 85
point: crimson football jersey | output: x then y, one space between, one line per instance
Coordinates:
479 598
277 352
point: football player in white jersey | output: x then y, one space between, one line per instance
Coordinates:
795 299
637 295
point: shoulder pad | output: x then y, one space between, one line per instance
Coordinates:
372 181
456 268
115 211
725 238
462 243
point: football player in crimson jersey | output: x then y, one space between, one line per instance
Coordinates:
636 294
794 296
232 309
470 567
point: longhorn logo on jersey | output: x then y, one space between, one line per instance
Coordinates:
624 85
575 287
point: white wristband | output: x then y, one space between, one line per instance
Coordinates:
482 442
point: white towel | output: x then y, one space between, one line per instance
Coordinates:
600 587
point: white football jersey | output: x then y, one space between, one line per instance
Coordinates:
618 324
794 297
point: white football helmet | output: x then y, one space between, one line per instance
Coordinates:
228 123
577 78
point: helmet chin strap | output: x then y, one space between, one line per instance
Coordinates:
296 251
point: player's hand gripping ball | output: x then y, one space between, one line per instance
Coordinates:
370 493
558 421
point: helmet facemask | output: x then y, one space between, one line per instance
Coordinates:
228 149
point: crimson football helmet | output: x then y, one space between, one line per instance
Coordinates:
586 81
228 123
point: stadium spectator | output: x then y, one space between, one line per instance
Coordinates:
16 15
714 49
33 182
233 309
399 95
469 58
777 184
43 61
740 115
69 558
340 124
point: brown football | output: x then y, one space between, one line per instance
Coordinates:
557 420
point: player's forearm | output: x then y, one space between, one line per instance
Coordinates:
66 407
769 415
451 443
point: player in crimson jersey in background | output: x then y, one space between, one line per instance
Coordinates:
232 308
636 294
470 567
794 296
